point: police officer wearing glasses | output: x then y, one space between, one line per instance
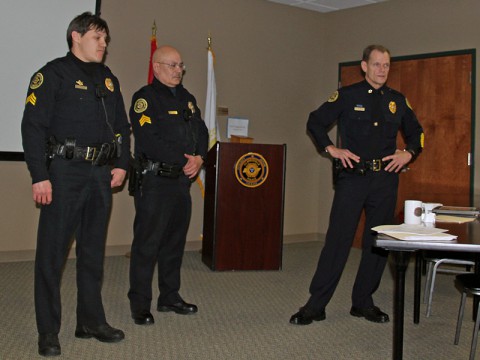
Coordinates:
76 140
369 115
171 141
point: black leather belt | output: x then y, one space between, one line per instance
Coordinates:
375 164
87 153
363 166
163 169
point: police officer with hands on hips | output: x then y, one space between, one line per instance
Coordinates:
369 115
171 141
75 135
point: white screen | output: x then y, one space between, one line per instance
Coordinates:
32 32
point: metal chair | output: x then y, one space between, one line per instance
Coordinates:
468 284
433 265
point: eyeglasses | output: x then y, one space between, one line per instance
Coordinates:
181 66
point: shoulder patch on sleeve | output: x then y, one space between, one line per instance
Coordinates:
333 97
140 105
109 84
37 81
408 104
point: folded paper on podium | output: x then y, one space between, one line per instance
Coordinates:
241 139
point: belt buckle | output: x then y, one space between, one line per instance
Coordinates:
376 165
91 152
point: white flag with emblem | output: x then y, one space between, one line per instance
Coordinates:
210 112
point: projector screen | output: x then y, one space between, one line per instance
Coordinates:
32 32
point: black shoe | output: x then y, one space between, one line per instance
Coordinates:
48 345
371 314
143 317
306 316
103 333
180 308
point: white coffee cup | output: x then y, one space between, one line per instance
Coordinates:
413 212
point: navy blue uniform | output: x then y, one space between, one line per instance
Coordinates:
166 124
368 123
63 102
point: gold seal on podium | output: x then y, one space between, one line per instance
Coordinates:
251 170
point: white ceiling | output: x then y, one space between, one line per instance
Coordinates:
326 5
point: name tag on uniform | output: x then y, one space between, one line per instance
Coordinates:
173 112
359 108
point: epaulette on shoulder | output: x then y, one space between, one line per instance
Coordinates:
351 87
395 92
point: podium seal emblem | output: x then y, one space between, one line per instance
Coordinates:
251 170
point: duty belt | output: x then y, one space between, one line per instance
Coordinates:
163 169
98 155
363 166
375 164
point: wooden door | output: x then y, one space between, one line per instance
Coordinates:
439 88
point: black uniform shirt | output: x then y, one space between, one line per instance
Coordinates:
167 126
63 101
368 121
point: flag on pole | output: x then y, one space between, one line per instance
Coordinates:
211 103
153 47
210 110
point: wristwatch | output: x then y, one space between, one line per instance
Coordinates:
411 152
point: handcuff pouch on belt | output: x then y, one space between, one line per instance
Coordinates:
69 148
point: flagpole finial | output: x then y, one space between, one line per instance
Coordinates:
209 39
154 29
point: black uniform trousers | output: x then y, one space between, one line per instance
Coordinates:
163 210
376 192
81 206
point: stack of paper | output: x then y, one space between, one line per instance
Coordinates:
454 219
414 232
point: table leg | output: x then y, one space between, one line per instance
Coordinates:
476 299
401 259
417 287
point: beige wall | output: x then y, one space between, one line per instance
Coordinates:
274 65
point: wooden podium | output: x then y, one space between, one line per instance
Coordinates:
243 209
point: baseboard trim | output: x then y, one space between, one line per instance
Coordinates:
119 250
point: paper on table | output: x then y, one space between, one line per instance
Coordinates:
414 232
408 229
453 219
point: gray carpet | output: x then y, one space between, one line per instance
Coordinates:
242 315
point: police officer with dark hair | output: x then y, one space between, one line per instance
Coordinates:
171 141
76 140
369 115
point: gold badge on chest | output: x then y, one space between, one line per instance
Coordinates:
393 107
